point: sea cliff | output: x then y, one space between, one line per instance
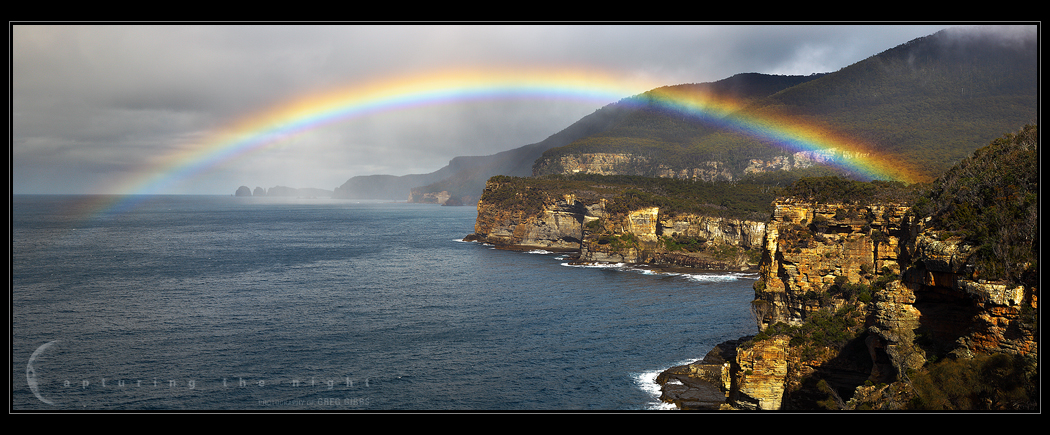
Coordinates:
900 298
870 295
595 224
927 304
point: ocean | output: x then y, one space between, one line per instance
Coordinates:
313 304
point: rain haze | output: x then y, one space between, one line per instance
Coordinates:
108 108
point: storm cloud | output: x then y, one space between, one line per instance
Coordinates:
97 104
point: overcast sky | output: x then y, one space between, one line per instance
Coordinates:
98 109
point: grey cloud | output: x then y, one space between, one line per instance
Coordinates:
92 102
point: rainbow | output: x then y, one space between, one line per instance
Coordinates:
265 129
260 131
813 141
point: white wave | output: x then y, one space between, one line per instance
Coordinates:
647 382
720 277
539 251
704 277
619 266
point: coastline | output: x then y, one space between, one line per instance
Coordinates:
573 259
700 385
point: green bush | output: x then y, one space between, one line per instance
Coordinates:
991 200
837 189
986 382
821 329
683 243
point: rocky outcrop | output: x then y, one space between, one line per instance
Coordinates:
702 385
801 160
921 301
646 236
556 224
283 191
763 370
705 171
974 315
630 164
809 247
580 222
591 163
635 164
415 196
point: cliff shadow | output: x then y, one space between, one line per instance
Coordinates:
831 384
946 315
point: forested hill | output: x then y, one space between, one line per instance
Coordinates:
464 177
931 102
466 182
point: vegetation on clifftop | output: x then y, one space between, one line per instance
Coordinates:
740 200
985 382
991 200
833 189
748 199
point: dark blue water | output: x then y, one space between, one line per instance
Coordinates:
224 303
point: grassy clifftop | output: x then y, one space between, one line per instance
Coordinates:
742 200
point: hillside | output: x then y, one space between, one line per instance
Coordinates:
929 102
464 177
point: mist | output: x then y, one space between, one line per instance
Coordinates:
100 108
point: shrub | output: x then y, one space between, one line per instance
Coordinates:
986 382
684 243
991 200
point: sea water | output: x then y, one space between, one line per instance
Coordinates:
316 304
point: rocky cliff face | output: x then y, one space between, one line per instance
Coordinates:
801 160
937 294
634 164
915 298
810 247
581 222
965 314
557 224
629 164
646 236
416 196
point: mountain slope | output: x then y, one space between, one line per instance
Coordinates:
465 176
928 103
931 101
661 130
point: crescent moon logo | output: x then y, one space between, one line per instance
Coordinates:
31 372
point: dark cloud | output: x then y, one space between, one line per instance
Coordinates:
94 104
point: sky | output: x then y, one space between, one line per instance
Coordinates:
205 108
